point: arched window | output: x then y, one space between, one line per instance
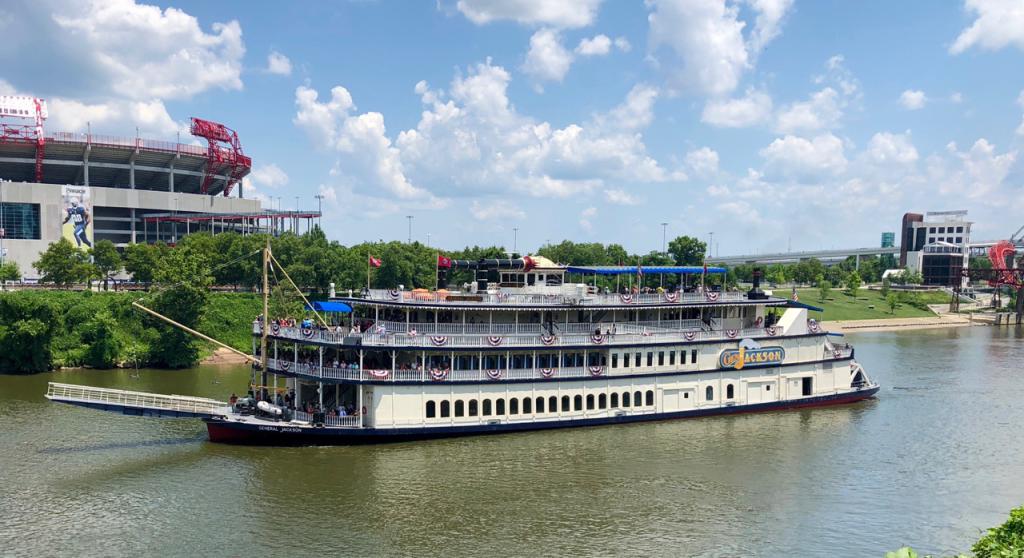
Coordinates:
446 409
709 393
499 406
565 404
602 401
487 407
552 404
729 391
513 406
473 404
540 404
460 408
615 400
431 409
527 406
578 402
625 399
649 398
590 402
638 399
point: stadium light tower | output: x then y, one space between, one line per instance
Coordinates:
409 217
319 210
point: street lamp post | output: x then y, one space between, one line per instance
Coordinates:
664 247
409 217
515 239
428 239
319 210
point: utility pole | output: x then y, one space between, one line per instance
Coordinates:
515 239
711 242
409 217
428 239
3 229
319 210
664 247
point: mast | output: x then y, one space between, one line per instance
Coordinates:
266 318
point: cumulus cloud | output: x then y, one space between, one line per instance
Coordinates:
703 161
599 45
753 108
998 24
113 117
623 44
269 175
278 64
886 148
562 14
913 99
1020 101
820 112
586 218
805 158
620 197
768 23
547 59
495 210
977 173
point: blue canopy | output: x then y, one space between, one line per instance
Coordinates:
322 306
631 269
798 304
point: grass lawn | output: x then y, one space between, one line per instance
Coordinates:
839 306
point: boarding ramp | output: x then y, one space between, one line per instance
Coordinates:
136 403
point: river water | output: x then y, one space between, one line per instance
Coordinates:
933 461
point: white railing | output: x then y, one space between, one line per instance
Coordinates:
428 328
72 393
302 416
505 298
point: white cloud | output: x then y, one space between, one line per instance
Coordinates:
1020 101
753 108
703 161
982 173
999 23
805 158
635 113
269 175
886 148
586 218
820 112
620 197
495 210
142 52
321 120
623 44
768 22
562 14
599 45
113 117
279 64
956 98
329 193
913 99
547 59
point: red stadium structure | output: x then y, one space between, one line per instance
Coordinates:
23 108
226 159
1002 257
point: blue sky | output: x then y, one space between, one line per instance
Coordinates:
768 122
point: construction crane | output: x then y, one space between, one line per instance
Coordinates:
224 154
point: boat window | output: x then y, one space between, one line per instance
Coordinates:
565 404
709 393
578 402
487 407
693 356
650 358
446 409
768 388
590 402
625 360
625 399
499 406
729 391
513 406
473 407
649 398
638 399
552 404
671 358
460 408
807 385
661 358
638 361
682 357
686 395
602 401
615 360
540 404
615 400
527 406
431 409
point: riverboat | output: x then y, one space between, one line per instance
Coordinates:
530 345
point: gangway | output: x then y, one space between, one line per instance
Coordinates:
136 403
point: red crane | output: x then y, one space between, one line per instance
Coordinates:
22 107
224 154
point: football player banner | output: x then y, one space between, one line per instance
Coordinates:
76 216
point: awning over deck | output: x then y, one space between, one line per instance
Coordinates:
328 306
653 269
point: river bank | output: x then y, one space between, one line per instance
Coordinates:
900 324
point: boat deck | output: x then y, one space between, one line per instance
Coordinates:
136 402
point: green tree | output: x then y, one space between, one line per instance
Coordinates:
853 283
107 260
1004 541
27 326
776 274
9 272
183 279
64 264
886 286
686 250
892 301
141 260
824 286
100 336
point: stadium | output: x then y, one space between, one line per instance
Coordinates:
87 187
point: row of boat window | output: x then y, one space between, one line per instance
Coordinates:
527 405
637 359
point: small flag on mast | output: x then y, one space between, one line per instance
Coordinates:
444 262
374 262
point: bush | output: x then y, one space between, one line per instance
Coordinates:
1004 541
102 341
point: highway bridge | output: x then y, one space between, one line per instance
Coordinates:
825 256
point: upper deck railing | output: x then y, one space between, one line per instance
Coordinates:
559 299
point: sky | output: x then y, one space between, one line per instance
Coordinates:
773 124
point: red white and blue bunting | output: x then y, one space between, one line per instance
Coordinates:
596 370
494 374
547 372
596 338
548 339
307 332
438 374
731 333
439 340
690 335
626 298
672 297
379 373
711 296
394 294
813 326
285 365
772 331
494 340
275 328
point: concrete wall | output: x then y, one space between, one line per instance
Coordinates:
51 211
